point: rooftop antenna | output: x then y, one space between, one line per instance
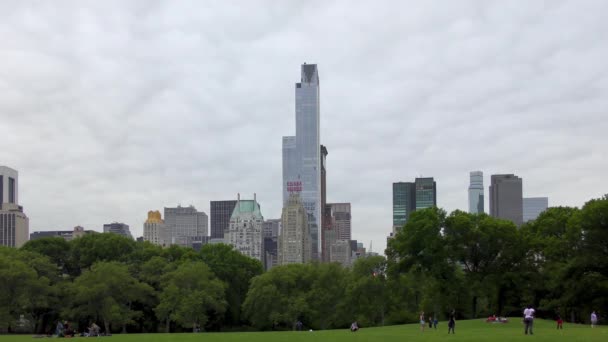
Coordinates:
370 246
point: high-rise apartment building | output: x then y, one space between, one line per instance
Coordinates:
302 153
155 230
404 203
118 228
245 228
476 192
294 239
186 225
426 193
220 212
534 206
14 224
506 200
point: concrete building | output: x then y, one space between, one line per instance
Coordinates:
476 199
534 206
155 230
404 203
14 224
341 220
302 153
220 212
426 193
9 185
67 235
185 225
271 228
294 239
245 228
506 200
118 228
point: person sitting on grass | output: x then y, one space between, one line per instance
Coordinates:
354 326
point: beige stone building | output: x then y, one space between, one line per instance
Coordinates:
14 224
294 245
155 230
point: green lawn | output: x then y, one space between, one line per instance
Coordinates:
473 330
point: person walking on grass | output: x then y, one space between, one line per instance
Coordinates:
560 323
452 322
422 321
593 319
529 319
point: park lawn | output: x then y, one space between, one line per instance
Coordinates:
471 330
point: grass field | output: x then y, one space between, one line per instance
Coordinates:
473 330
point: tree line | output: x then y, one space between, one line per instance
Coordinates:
471 263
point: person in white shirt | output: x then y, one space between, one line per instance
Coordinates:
529 319
593 319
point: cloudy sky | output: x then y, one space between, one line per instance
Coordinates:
109 109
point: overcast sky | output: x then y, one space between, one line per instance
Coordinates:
109 109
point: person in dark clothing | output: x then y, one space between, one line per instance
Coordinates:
430 322
452 322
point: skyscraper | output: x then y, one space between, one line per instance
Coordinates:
220 212
534 206
186 225
118 228
302 154
14 224
245 228
506 198
426 193
9 185
294 239
270 234
341 220
476 192
404 203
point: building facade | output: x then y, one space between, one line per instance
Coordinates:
67 235
341 252
302 154
404 203
506 201
426 193
245 228
294 245
14 224
341 220
476 198
185 225
220 212
534 206
155 230
118 228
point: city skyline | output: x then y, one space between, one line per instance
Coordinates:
142 109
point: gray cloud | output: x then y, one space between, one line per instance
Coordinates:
110 109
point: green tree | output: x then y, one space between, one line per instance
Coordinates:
236 270
92 248
107 292
189 294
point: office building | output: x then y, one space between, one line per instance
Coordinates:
9 185
302 153
245 228
534 206
506 200
220 212
185 225
155 230
404 203
476 192
271 228
118 228
341 252
294 239
341 220
426 193
14 224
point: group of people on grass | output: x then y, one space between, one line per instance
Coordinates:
65 329
433 322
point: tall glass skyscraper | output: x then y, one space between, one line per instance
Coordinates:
404 203
301 154
476 192
426 193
